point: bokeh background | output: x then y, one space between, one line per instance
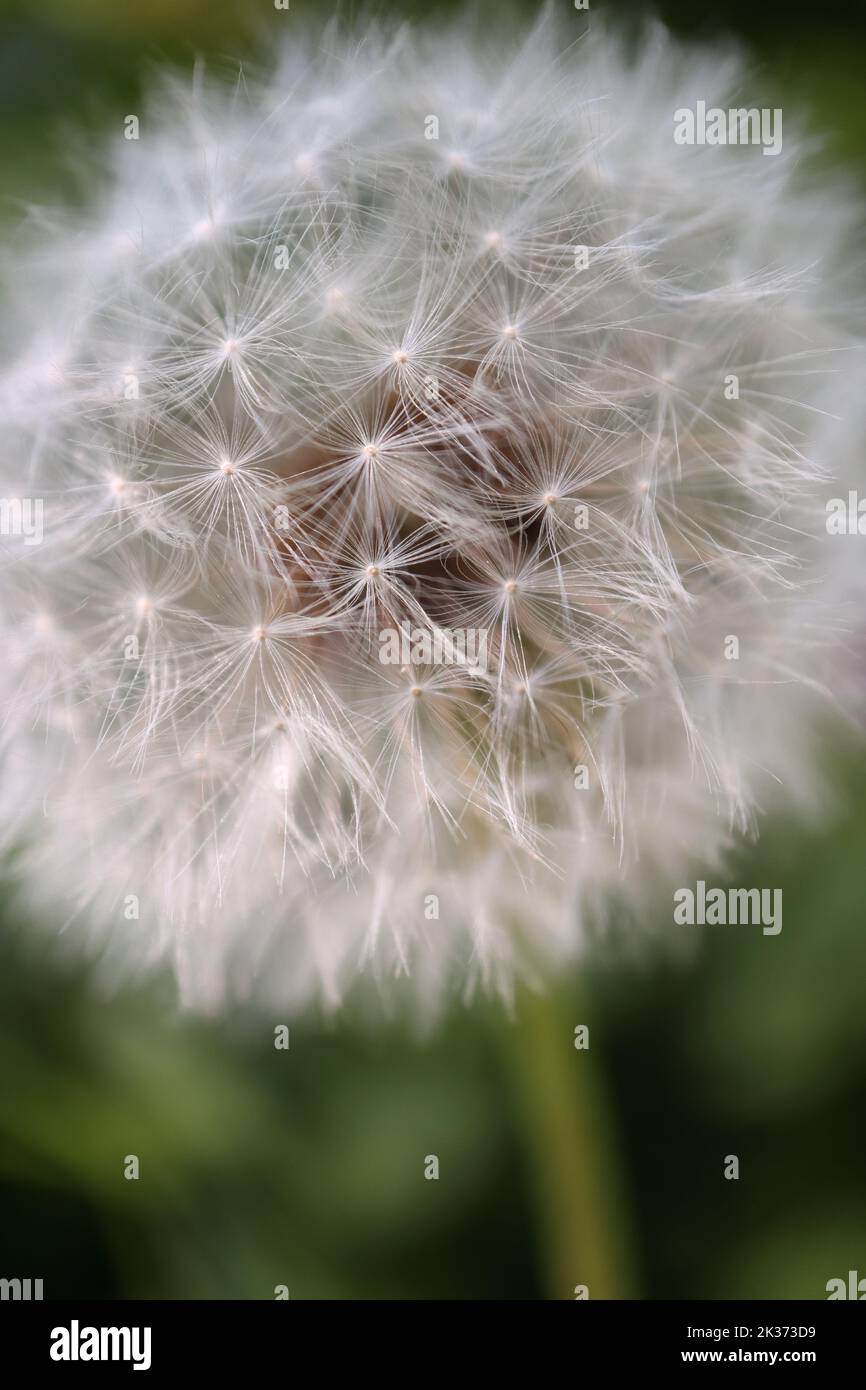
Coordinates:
305 1168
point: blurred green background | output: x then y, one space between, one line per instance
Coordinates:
305 1167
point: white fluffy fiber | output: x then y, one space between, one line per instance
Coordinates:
301 373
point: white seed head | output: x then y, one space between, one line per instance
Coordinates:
198 713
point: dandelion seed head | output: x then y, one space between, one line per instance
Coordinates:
372 395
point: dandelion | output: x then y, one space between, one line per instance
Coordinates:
301 375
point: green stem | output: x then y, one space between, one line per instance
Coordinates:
574 1166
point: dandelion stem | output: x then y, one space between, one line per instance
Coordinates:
574 1167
